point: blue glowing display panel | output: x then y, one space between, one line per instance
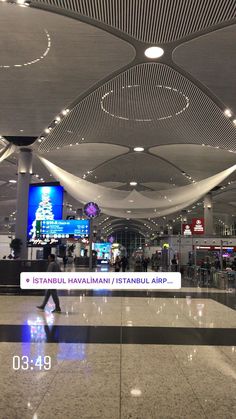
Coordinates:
45 203
62 229
103 250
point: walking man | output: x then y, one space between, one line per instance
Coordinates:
52 267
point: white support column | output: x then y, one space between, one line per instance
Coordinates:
208 214
24 178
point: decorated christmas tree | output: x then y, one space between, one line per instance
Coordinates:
43 212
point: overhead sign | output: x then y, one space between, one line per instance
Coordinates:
91 210
198 225
62 229
187 229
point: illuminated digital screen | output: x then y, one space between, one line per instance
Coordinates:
62 229
103 250
45 203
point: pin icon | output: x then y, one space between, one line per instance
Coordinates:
27 280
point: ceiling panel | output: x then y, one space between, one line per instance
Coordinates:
79 56
139 167
81 158
148 104
216 70
151 20
198 161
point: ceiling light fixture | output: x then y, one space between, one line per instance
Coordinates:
22 3
12 181
138 149
133 183
234 121
105 104
154 52
65 111
228 113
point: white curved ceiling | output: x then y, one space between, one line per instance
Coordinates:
151 21
80 55
169 107
216 70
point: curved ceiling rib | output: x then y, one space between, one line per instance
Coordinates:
6 151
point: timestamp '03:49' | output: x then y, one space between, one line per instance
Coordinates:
26 363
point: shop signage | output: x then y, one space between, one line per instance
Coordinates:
91 210
187 229
198 226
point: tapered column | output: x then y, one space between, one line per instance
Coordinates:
208 214
91 246
24 178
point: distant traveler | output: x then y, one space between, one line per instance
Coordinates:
138 264
65 260
217 263
124 263
233 266
117 264
145 262
174 264
52 267
155 261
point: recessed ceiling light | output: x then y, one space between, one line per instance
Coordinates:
234 121
133 183
154 52
12 181
228 113
138 149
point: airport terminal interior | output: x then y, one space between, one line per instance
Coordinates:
118 161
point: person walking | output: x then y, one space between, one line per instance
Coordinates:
145 262
174 264
117 264
52 267
65 260
124 263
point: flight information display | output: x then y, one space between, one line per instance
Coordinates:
62 229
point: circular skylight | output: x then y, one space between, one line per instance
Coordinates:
138 149
154 52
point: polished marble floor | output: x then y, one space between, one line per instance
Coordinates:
124 355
